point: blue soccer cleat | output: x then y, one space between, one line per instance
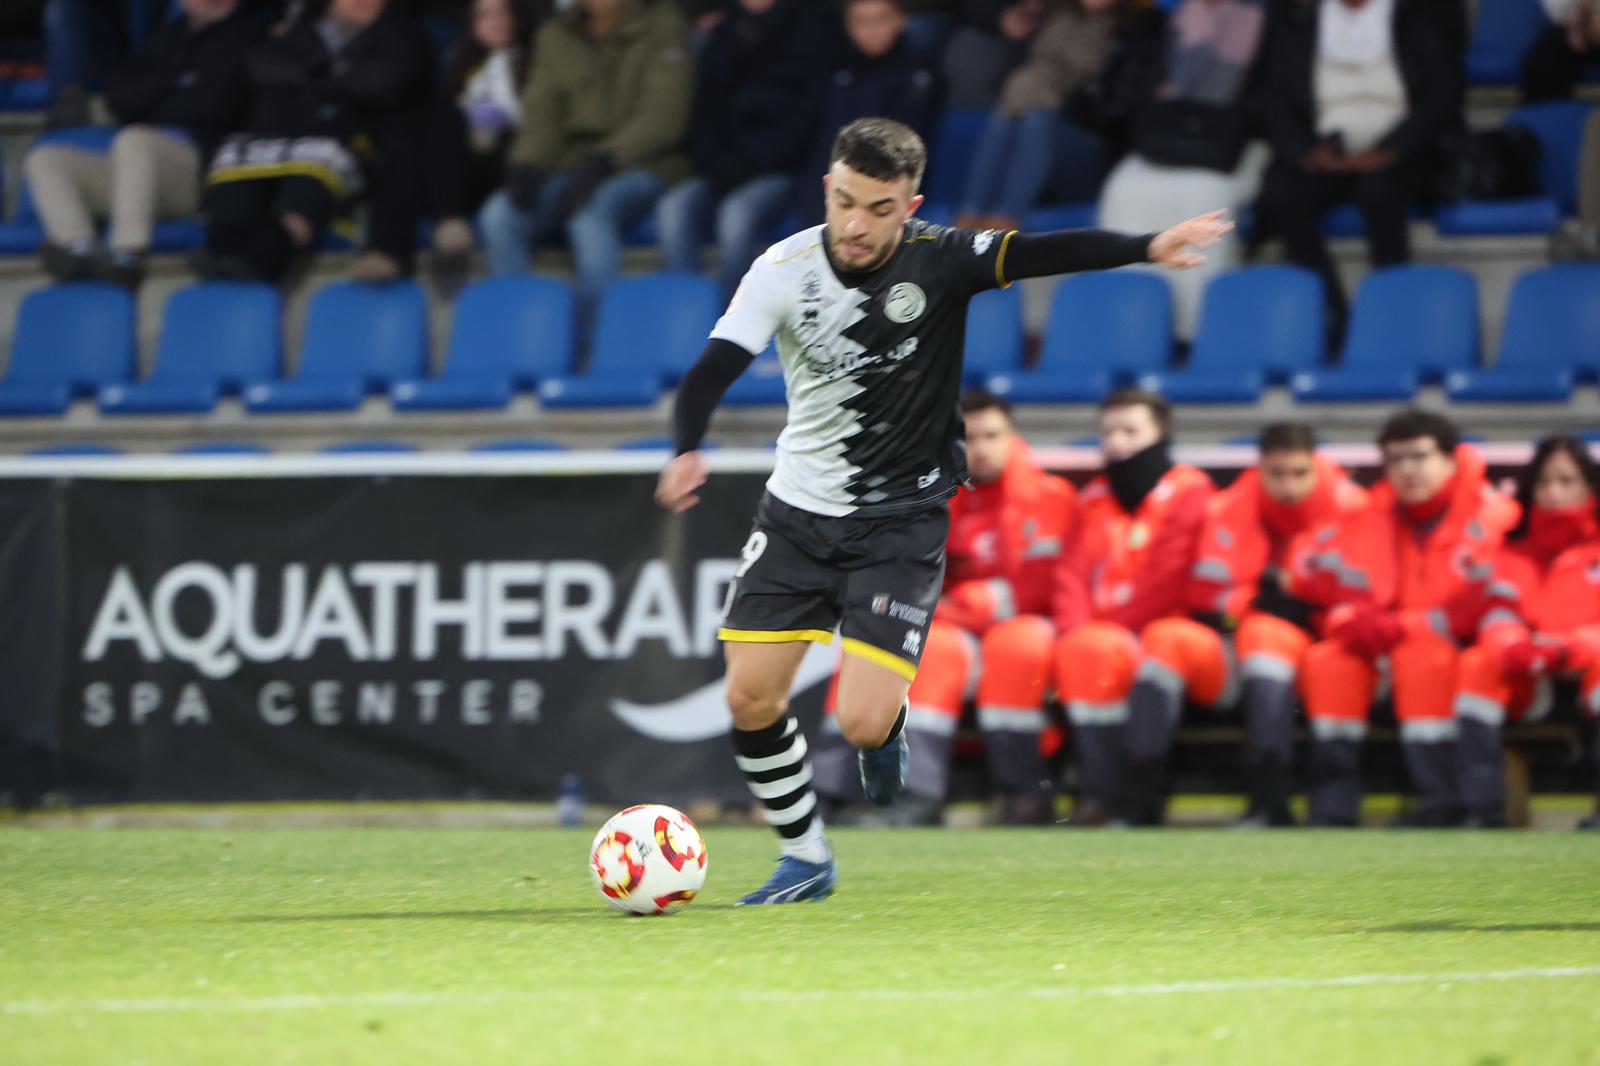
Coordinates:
883 770
794 881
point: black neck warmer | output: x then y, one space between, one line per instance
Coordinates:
1132 478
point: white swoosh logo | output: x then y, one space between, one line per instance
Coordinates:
703 713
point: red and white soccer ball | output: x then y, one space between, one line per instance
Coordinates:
648 859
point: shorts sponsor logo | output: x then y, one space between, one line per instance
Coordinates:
884 604
913 642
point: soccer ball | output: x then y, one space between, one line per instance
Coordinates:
648 858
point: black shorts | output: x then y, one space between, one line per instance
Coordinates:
877 579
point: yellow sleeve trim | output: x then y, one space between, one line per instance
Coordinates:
774 636
1000 260
888 661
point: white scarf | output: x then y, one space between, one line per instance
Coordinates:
1355 35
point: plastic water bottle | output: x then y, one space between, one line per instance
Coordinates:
569 802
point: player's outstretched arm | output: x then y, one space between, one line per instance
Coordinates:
1035 255
698 393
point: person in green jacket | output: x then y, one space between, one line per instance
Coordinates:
604 122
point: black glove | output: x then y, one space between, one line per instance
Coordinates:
522 185
582 182
1272 599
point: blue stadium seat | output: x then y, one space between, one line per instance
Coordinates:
949 157
1502 30
1258 325
519 444
1551 339
651 329
1489 218
30 92
1410 324
994 335
509 333
371 447
1106 329
656 444
1559 126
359 338
215 336
1344 220
222 447
58 451
761 385
69 340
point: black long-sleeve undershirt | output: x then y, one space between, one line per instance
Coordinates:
1028 255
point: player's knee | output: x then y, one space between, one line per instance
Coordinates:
754 707
868 730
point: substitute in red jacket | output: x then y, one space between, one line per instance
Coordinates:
1543 620
991 633
1138 526
1402 581
1240 614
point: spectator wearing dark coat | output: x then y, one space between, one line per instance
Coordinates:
874 74
474 117
1554 62
1355 98
756 105
174 101
327 87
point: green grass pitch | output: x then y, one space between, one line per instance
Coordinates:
1040 946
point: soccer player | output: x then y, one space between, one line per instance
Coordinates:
1403 581
1007 531
1240 613
869 312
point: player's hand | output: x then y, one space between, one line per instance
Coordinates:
1176 247
675 490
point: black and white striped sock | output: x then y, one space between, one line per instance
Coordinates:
773 761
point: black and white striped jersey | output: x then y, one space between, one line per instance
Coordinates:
871 365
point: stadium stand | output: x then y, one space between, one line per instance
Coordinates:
650 331
509 333
1551 340
995 341
1105 329
215 336
359 339
1257 325
1410 325
69 341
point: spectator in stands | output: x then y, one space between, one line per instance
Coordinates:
1542 622
1189 128
1029 147
1355 97
992 39
326 86
183 92
1555 61
991 633
874 74
604 119
1138 531
1236 597
929 24
1401 582
473 119
755 107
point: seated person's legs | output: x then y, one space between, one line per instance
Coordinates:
1338 687
1423 669
1181 658
1016 657
1270 652
1094 671
68 186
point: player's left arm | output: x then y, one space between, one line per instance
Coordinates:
1035 255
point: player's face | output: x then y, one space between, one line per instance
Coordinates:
989 438
1560 484
1127 431
865 216
1417 469
1288 477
